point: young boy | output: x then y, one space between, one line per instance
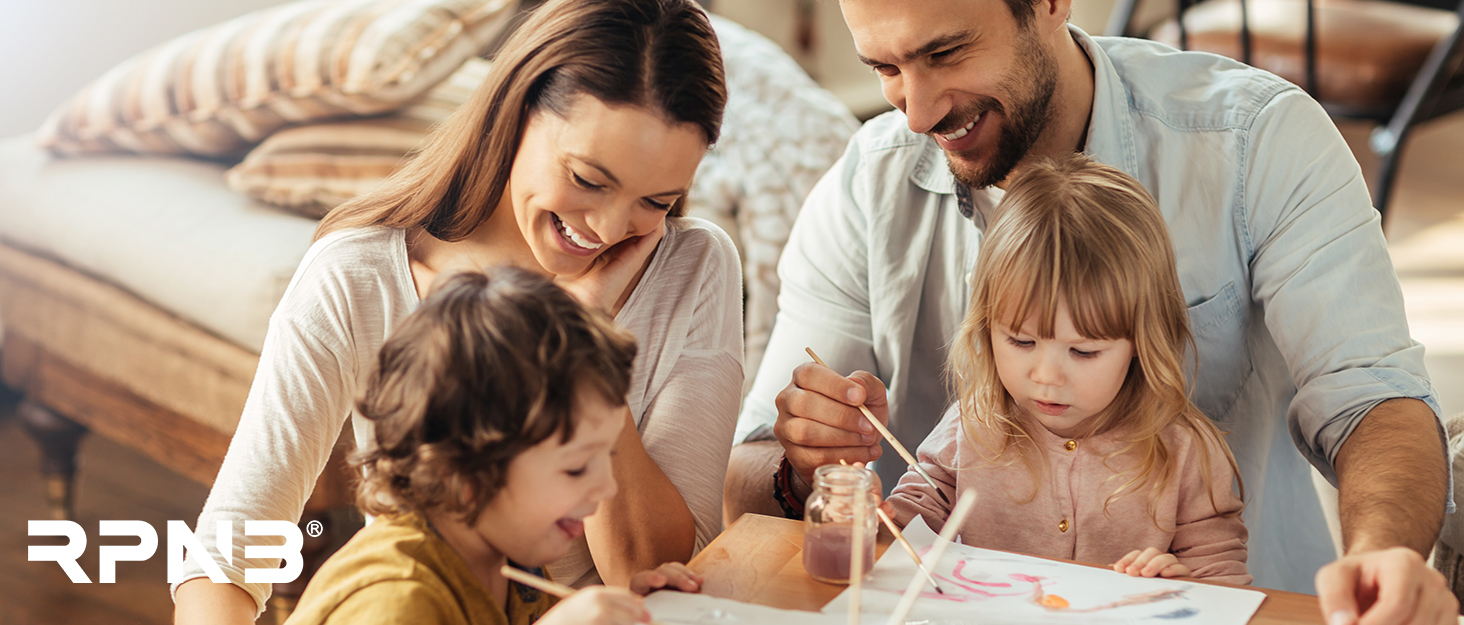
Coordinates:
495 406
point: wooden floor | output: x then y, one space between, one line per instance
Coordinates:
1426 235
114 483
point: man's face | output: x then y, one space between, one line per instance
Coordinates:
964 72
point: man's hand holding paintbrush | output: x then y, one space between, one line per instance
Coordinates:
819 421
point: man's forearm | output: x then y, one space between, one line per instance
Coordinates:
1392 478
749 485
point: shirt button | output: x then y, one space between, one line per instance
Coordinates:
1070 445
1062 525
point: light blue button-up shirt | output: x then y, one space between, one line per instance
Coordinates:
1294 305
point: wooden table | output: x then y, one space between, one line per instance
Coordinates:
760 560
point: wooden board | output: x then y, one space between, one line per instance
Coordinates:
190 448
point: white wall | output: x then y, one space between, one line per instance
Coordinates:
51 48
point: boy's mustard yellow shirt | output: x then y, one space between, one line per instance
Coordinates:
398 570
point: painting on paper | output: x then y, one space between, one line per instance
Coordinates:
993 587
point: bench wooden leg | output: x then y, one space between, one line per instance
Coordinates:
58 438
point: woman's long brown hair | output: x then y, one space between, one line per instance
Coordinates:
658 54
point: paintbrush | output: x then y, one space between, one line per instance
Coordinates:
910 549
534 581
856 562
900 449
963 508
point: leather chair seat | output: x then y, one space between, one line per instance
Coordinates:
1367 51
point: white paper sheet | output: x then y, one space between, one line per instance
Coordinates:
995 588
679 608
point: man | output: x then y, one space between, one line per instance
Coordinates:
1297 315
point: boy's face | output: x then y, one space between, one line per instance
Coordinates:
552 487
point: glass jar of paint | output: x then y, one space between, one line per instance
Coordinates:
840 495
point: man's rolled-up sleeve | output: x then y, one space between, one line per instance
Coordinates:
1322 272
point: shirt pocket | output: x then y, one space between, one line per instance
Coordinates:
1218 324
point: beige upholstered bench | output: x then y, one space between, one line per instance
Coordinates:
134 296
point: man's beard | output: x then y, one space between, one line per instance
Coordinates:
1037 71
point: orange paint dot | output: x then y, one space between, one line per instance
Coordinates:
1053 601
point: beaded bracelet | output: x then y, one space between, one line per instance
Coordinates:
783 491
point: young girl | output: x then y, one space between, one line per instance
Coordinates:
1072 420
496 405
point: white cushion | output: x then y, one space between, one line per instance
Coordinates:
166 229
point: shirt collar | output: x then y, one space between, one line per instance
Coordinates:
931 172
1110 129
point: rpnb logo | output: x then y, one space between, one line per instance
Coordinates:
182 545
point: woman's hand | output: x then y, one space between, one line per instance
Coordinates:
607 282
672 575
598 605
1151 563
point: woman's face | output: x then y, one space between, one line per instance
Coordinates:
596 176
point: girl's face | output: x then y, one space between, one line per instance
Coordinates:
597 176
551 487
1063 381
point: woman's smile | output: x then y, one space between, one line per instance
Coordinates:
574 241
574 192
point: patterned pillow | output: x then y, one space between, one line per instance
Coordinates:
780 133
219 90
312 168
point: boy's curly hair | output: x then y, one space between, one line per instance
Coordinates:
485 368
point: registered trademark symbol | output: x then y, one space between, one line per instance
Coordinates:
314 529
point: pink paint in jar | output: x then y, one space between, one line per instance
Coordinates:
840 493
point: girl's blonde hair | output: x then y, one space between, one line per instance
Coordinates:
1075 230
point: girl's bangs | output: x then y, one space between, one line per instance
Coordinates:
1020 291
1029 285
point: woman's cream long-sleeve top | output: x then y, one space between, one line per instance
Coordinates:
354 286
1066 518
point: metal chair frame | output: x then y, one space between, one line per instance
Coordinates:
1437 89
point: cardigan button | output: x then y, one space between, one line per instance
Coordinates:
1062 525
1070 445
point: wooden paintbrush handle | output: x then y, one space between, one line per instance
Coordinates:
885 432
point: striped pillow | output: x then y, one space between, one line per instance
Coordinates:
219 90
310 169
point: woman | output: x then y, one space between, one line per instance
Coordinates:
573 159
